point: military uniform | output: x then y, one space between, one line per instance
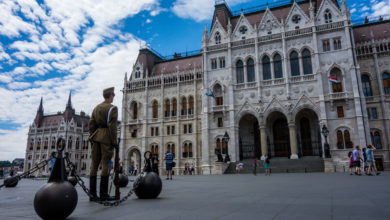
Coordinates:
103 134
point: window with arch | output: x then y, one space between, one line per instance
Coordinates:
386 82
53 143
171 148
39 144
183 106
32 144
366 83
347 138
250 70
218 146
340 140
135 110
376 139
191 105
77 143
306 60
187 150
336 75
240 71
294 63
155 109
223 143
217 38
46 144
217 91
137 72
154 149
70 143
266 68
328 16
278 71
167 108
174 107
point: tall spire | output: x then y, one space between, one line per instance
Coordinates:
39 115
69 104
40 109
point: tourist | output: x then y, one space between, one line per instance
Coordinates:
266 166
52 161
356 160
239 167
135 170
370 160
130 170
350 162
168 164
365 164
192 169
254 166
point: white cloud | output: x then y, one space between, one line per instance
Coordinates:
381 9
365 8
198 10
19 85
148 21
353 10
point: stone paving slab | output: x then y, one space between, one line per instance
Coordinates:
239 197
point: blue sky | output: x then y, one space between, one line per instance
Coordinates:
48 48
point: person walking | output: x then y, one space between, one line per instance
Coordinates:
52 161
266 166
365 164
155 164
254 165
356 160
350 162
370 160
169 164
102 128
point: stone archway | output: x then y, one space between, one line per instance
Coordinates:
279 137
249 137
134 159
308 133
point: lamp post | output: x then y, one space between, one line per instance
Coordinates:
226 139
325 132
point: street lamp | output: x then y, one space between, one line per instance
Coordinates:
325 132
226 139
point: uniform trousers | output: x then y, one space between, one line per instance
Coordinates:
101 154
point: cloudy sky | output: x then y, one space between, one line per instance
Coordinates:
51 47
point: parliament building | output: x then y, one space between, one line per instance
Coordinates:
273 79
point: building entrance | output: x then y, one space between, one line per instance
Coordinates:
249 134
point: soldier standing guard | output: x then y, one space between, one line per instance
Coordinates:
103 135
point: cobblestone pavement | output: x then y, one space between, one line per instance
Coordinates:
240 197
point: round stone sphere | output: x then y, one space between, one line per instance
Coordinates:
148 186
123 180
11 181
55 200
72 180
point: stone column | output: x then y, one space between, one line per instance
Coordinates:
263 137
293 141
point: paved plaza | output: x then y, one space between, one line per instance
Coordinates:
240 197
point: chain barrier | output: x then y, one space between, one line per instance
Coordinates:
86 190
35 168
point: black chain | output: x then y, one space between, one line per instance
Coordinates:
86 190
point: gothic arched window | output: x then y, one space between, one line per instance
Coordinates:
46 144
167 108
328 16
366 85
184 106
377 140
278 70
306 60
155 109
218 149
77 143
191 105
217 38
171 148
386 83
135 110
154 150
266 68
240 71
340 140
294 63
250 69
217 92
347 138
53 143
336 80
185 150
174 107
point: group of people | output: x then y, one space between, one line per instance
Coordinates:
368 161
266 162
189 169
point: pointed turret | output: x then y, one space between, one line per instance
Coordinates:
68 114
39 115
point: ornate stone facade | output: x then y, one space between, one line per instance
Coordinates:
271 79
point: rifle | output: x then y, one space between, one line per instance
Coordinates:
116 169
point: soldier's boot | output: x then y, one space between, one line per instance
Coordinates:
104 196
92 189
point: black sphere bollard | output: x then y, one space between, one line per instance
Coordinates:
123 180
55 200
11 181
147 186
72 180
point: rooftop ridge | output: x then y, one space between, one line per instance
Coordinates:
262 7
